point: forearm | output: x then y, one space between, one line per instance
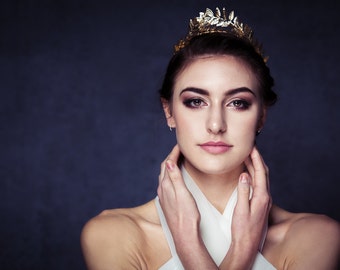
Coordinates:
238 258
193 254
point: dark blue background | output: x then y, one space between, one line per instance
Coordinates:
82 129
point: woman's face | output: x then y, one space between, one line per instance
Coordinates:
216 110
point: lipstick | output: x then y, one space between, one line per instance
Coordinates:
215 147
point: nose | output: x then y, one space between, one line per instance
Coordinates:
216 122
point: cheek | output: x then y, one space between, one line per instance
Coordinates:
189 128
186 126
243 130
243 123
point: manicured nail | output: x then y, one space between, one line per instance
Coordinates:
169 165
244 179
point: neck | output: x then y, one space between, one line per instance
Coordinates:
217 188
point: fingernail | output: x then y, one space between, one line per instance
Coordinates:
244 179
169 165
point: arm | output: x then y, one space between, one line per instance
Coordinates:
183 217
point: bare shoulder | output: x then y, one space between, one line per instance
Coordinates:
305 241
116 238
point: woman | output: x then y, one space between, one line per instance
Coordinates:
213 209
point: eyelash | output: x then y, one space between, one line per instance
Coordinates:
238 104
190 103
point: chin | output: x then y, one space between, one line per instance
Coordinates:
213 167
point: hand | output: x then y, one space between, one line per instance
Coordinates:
182 215
178 204
251 212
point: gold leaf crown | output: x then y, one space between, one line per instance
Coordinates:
208 22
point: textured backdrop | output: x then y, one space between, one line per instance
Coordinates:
82 129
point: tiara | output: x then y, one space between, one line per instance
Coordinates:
208 22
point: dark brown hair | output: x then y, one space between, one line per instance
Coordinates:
220 44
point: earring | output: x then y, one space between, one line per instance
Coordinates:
258 132
170 128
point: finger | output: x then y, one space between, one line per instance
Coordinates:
250 167
165 188
161 174
169 162
266 169
243 194
171 174
257 153
260 170
261 196
172 187
175 176
174 154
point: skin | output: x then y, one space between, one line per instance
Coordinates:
133 238
218 96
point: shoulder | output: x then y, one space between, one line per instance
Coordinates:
307 241
116 237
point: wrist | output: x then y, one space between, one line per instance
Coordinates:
240 256
187 238
194 255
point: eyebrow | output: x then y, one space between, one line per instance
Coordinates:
227 93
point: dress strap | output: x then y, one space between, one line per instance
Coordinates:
165 228
174 263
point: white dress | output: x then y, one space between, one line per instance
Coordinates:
215 229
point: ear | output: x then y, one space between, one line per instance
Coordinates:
168 114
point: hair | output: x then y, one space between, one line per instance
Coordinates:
220 44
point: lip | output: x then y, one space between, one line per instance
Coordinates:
215 147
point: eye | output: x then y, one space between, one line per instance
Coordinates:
239 104
194 103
